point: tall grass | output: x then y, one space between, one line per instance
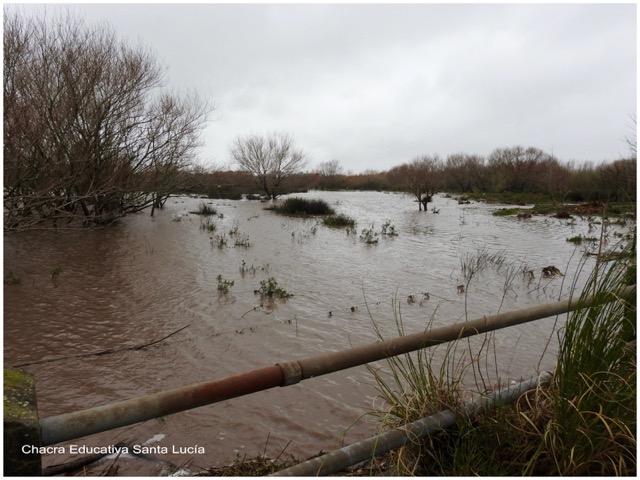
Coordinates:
593 431
584 423
413 386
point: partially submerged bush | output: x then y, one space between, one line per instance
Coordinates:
224 285
270 288
369 236
303 206
389 229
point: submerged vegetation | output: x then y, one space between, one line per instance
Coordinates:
270 288
224 285
579 239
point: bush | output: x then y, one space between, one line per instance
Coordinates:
302 206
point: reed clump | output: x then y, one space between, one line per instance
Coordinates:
582 424
205 210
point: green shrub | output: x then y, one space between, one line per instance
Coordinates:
302 207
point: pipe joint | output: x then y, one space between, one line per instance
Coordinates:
291 372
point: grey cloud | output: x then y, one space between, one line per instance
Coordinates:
374 85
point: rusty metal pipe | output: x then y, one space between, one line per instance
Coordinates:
86 422
345 457
65 427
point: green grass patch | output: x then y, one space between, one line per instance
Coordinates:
303 207
339 221
504 212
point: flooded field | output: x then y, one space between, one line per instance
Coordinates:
82 292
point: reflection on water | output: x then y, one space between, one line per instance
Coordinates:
145 278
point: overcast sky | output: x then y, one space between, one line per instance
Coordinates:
375 85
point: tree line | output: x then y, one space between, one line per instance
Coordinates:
508 170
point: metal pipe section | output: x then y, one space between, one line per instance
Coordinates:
99 419
345 457
94 420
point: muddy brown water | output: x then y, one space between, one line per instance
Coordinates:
144 278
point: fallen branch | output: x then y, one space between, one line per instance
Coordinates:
79 463
102 352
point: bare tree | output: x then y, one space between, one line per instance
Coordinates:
87 134
463 172
330 168
632 139
271 160
331 174
618 179
517 169
422 178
